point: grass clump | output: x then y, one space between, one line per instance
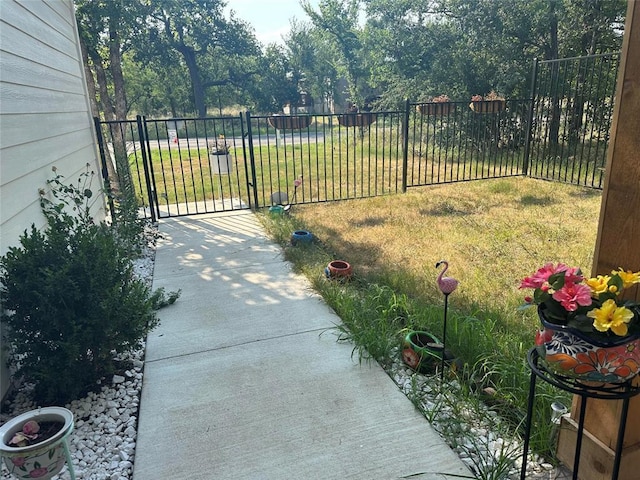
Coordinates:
493 233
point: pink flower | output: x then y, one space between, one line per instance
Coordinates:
31 427
38 472
297 182
538 279
18 461
571 275
571 295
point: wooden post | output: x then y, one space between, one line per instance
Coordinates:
617 245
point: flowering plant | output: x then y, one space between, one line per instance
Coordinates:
219 147
492 95
591 305
440 99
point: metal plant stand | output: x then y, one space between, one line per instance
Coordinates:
619 391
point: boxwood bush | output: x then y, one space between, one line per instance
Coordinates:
70 299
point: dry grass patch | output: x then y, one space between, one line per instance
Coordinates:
493 233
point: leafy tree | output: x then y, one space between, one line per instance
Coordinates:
312 57
105 31
214 49
279 82
338 19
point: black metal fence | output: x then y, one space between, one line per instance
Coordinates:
202 165
571 118
460 141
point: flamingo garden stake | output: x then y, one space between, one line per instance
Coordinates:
446 285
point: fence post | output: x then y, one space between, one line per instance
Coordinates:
529 131
254 180
103 164
146 161
405 146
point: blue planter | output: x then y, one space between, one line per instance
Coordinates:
301 236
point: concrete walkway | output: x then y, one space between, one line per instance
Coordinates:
244 378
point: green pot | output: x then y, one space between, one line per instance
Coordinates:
420 350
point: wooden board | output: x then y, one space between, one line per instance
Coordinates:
596 458
618 245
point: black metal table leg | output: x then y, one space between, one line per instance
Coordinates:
527 428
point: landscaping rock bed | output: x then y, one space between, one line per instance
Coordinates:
471 429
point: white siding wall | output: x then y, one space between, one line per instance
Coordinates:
45 119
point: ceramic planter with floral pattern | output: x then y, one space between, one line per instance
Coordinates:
42 459
573 353
420 349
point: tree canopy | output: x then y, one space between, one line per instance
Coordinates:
186 57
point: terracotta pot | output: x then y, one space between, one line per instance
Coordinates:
338 269
573 353
420 349
41 460
436 108
488 106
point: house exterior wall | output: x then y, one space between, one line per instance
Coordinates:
45 117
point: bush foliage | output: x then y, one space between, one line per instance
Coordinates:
70 299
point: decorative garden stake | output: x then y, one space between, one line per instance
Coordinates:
446 285
296 183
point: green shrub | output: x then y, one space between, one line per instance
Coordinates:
70 299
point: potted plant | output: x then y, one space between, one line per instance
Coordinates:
589 330
490 103
220 156
440 105
289 122
33 444
355 119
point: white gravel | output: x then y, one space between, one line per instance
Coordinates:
471 429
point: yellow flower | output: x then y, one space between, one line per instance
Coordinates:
598 284
610 316
628 277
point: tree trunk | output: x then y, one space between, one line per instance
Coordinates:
115 61
108 112
91 84
189 56
120 109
